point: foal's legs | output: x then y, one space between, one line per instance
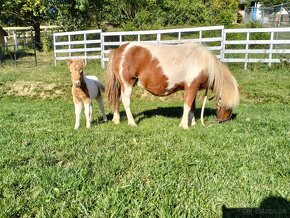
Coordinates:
99 99
88 113
126 95
78 110
189 96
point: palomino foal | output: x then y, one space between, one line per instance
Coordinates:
84 90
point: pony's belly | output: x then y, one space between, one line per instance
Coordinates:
161 89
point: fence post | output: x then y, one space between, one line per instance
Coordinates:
271 49
247 48
54 49
223 45
102 51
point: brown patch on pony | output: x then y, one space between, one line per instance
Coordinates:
199 83
146 69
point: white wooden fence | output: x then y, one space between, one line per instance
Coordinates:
268 49
78 44
171 36
251 49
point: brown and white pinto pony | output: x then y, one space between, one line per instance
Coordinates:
84 90
165 69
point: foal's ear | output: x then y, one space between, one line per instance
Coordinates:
69 62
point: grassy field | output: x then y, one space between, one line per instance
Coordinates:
48 169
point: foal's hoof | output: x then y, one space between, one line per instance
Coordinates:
116 121
132 124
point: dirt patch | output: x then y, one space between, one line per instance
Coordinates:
35 89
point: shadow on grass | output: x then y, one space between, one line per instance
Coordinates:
272 206
169 112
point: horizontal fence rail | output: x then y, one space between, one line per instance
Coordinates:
77 45
259 45
210 34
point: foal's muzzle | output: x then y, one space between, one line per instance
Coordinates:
77 83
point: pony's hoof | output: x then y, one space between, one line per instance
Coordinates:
105 119
76 127
184 126
193 123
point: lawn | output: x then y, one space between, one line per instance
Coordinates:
48 169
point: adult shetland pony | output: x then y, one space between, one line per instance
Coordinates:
165 69
84 90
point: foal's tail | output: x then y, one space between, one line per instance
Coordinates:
113 88
223 82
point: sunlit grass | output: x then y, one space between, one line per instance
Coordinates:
47 169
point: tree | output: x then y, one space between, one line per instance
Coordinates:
27 13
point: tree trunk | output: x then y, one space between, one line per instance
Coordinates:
37 37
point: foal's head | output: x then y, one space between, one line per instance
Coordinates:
76 68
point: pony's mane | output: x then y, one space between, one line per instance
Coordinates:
220 78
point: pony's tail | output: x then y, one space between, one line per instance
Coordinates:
223 83
113 88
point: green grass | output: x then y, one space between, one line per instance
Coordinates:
48 169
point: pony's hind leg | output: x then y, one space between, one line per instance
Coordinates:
116 116
99 99
191 114
126 95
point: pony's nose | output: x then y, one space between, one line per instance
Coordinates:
77 83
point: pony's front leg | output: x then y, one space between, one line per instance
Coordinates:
101 105
184 119
78 111
88 114
126 95
189 97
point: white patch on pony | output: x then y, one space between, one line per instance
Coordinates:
179 63
92 84
126 95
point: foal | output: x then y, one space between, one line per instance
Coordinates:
84 90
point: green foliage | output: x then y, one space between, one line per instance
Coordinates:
47 43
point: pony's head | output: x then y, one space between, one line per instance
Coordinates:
227 91
76 68
223 113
